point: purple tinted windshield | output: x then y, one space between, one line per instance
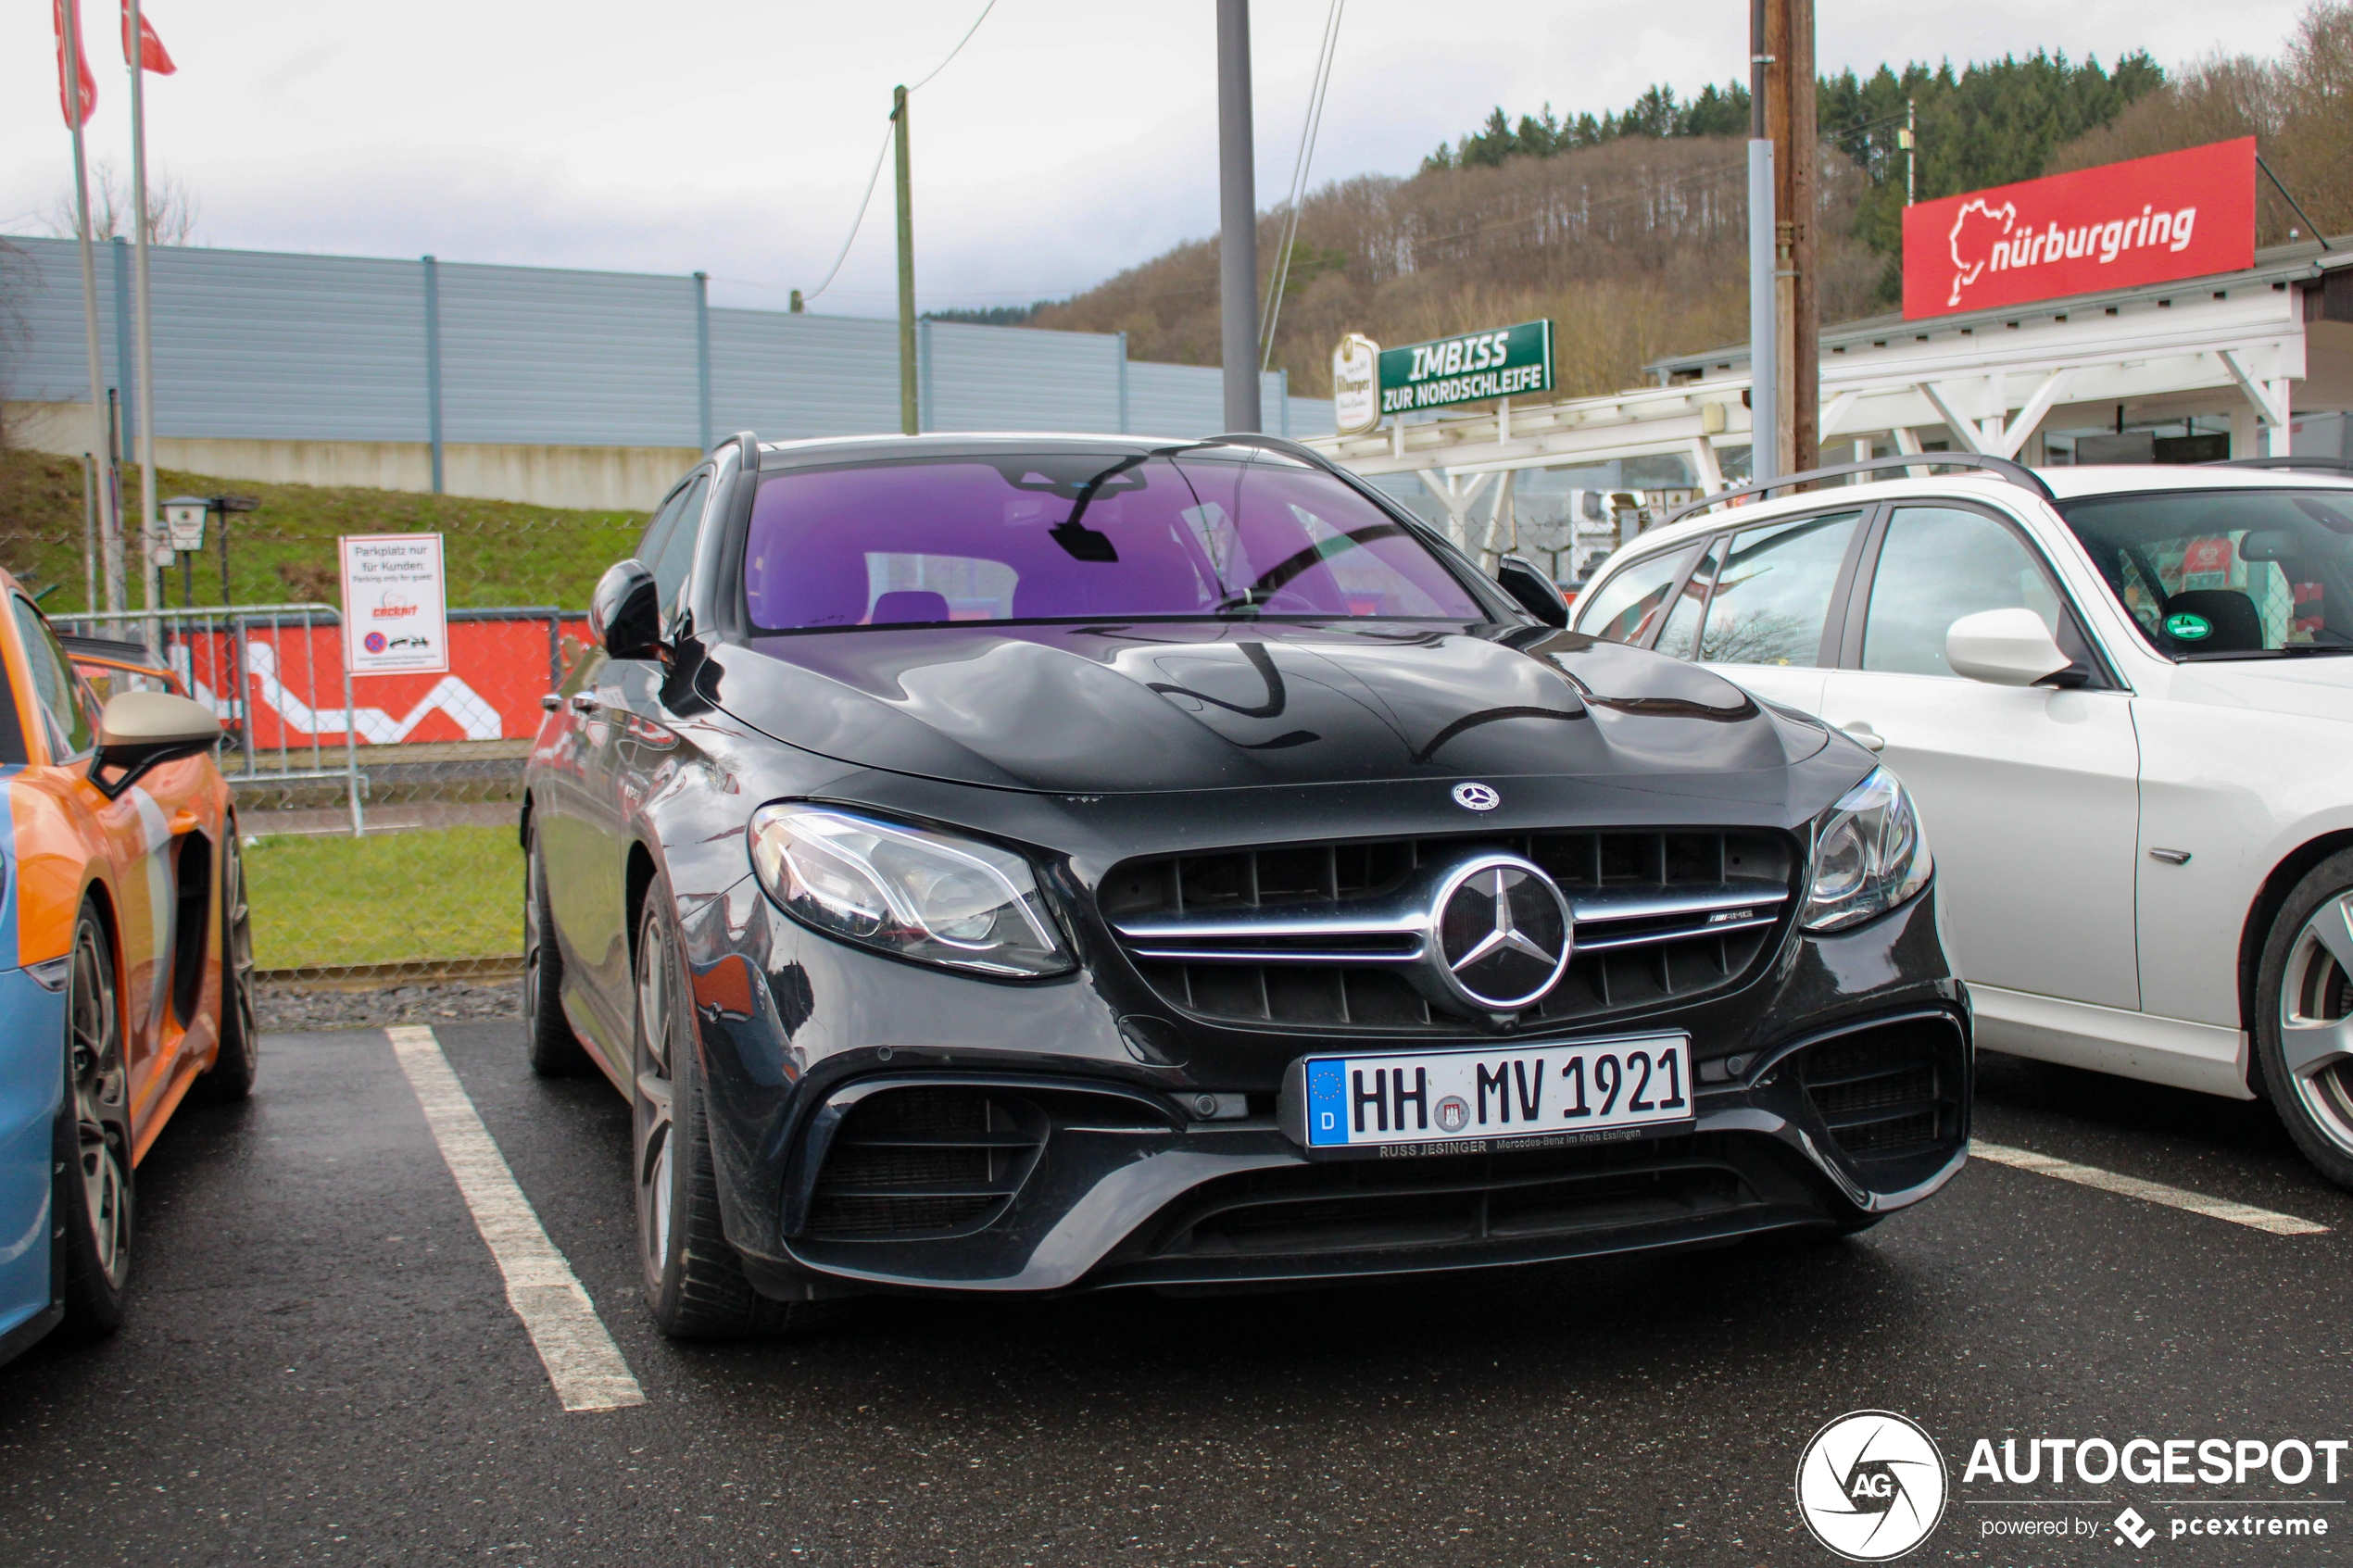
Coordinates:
1042 535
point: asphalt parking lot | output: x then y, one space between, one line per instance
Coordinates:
321 1367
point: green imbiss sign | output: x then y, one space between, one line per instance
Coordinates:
1505 362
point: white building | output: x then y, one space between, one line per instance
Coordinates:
2249 363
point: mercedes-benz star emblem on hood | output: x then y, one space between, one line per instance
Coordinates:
1476 797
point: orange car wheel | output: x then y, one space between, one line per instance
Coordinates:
231 1073
93 1195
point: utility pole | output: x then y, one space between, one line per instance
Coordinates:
910 413
1764 378
108 525
149 530
1790 119
1237 221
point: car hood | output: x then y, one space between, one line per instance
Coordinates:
1158 707
2310 686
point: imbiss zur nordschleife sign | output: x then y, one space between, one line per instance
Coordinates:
1502 363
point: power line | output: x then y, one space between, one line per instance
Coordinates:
1318 89
960 43
864 202
873 178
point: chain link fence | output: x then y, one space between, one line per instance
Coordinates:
378 811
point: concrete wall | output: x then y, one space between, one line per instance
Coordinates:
590 478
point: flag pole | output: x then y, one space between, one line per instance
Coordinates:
101 437
147 529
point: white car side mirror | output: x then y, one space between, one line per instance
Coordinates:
2003 647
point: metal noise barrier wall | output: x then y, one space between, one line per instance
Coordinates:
253 346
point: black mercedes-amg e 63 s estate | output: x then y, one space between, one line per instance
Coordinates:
1031 863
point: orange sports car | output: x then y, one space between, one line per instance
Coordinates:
126 957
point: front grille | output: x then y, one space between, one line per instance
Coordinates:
1886 1092
1448 1201
925 1161
1327 933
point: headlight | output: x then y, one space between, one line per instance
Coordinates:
904 890
1868 855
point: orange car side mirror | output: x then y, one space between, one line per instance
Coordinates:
140 729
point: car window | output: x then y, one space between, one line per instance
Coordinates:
1624 608
1939 564
657 534
1772 595
62 699
676 550
1679 636
1053 534
2217 572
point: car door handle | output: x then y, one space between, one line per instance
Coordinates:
585 702
1860 732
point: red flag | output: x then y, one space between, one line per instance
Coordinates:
151 51
89 87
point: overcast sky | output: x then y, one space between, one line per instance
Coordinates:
1067 141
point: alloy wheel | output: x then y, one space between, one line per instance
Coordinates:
100 1086
531 939
2316 1018
656 1147
237 949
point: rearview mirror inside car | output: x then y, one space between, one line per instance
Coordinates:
1535 591
2003 647
140 729
625 613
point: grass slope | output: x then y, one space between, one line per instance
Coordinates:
498 552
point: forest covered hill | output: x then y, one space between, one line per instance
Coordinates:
1628 230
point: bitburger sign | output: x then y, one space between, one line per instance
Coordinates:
2150 220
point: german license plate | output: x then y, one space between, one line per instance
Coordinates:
1454 1102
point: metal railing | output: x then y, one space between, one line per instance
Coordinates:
229 656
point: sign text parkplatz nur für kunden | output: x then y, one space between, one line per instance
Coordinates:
1505 362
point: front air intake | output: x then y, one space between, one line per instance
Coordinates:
1888 1092
924 1162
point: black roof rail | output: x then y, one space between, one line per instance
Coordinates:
2001 468
2318 464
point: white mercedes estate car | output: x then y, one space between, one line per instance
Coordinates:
2123 700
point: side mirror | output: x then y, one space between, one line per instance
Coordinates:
1535 591
140 729
2003 647
625 613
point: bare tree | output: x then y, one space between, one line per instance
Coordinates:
171 208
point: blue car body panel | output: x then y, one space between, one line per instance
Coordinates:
31 1093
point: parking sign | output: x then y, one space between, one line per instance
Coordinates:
395 616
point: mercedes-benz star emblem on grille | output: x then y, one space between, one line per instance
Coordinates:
1476 797
1500 931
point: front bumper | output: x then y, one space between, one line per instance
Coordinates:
1102 1174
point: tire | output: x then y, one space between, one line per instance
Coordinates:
694 1281
230 1076
93 1192
556 1051
2304 1017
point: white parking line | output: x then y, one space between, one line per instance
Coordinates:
2148 1192
581 1361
